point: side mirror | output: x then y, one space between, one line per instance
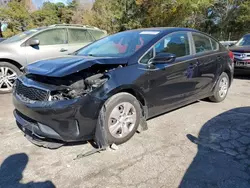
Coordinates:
33 42
163 58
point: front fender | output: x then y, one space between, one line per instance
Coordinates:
122 79
8 56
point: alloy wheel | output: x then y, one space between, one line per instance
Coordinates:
223 87
7 78
122 120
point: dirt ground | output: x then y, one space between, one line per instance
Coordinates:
201 145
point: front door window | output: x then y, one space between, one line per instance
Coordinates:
176 43
52 37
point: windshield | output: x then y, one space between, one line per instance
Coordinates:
119 45
244 41
21 36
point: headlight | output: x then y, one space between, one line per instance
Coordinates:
79 88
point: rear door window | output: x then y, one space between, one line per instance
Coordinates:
79 36
202 43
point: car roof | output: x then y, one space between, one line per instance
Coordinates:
166 29
74 26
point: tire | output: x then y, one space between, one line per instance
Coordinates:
118 103
6 86
221 89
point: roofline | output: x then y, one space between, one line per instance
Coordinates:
75 25
165 29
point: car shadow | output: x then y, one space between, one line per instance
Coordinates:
11 173
223 157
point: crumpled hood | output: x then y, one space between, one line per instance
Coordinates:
66 65
240 49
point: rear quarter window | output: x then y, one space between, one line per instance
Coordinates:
97 34
215 45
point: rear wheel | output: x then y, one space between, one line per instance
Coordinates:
122 117
8 75
221 88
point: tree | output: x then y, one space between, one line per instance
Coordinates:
225 14
242 21
17 16
47 15
52 13
223 19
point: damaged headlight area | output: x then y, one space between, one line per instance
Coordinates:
67 87
79 88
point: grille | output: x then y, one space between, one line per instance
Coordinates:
30 93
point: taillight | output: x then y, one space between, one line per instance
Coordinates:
231 55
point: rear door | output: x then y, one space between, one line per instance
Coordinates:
78 38
208 55
53 43
174 84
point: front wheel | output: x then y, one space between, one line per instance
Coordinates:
221 88
122 117
8 75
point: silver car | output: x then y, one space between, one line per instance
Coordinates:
41 43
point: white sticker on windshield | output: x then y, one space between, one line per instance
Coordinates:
149 32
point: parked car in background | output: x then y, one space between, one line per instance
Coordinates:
41 43
228 44
117 81
241 51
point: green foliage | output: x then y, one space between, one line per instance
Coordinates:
20 19
17 16
52 13
243 18
45 16
225 19
221 18
128 14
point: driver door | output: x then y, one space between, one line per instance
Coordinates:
171 85
53 43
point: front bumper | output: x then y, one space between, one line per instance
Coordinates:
244 66
67 121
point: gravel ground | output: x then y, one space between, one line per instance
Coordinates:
201 145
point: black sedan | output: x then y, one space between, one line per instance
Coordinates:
107 89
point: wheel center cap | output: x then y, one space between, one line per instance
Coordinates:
123 119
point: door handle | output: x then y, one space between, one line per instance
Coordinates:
193 65
63 50
219 57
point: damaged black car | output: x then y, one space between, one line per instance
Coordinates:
107 89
